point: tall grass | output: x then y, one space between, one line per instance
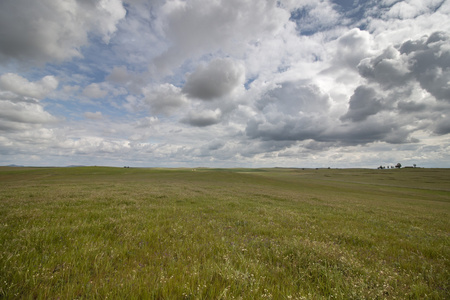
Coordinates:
95 232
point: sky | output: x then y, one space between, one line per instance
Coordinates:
225 83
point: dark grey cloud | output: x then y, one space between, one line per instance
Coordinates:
442 126
217 79
395 80
295 112
430 64
364 103
389 107
426 61
255 147
281 127
215 145
400 136
372 130
214 148
387 69
410 107
202 118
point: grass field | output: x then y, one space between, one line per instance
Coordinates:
98 232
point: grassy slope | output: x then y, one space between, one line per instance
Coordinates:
95 232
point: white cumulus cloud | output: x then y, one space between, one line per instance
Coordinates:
21 86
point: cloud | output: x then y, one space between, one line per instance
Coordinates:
20 107
383 128
411 9
22 116
202 118
22 87
293 111
50 30
294 97
97 146
410 83
363 103
119 74
111 12
397 21
351 48
316 16
299 111
165 98
426 60
224 82
217 79
430 63
388 69
133 81
442 126
94 90
93 115
285 128
411 107
202 26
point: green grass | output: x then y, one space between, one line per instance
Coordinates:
97 232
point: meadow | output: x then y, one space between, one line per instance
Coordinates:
129 233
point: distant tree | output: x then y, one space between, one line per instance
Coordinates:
398 166
414 165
